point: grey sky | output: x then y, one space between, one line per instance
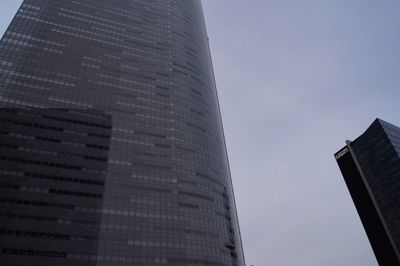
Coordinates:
296 79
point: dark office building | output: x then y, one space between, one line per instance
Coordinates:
112 150
371 169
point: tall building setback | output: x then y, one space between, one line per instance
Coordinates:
371 169
112 150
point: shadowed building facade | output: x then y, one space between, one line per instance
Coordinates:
112 146
371 168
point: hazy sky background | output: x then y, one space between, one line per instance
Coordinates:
296 79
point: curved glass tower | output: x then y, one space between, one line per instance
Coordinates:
112 146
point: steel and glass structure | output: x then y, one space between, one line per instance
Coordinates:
112 146
371 168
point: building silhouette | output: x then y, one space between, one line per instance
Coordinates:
112 149
371 169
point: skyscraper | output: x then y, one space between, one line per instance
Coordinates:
371 168
112 146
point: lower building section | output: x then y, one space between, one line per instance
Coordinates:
53 166
59 204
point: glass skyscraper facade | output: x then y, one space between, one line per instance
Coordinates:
371 168
112 146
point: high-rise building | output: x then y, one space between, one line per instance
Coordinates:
371 169
112 149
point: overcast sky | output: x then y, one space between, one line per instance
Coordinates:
296 79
